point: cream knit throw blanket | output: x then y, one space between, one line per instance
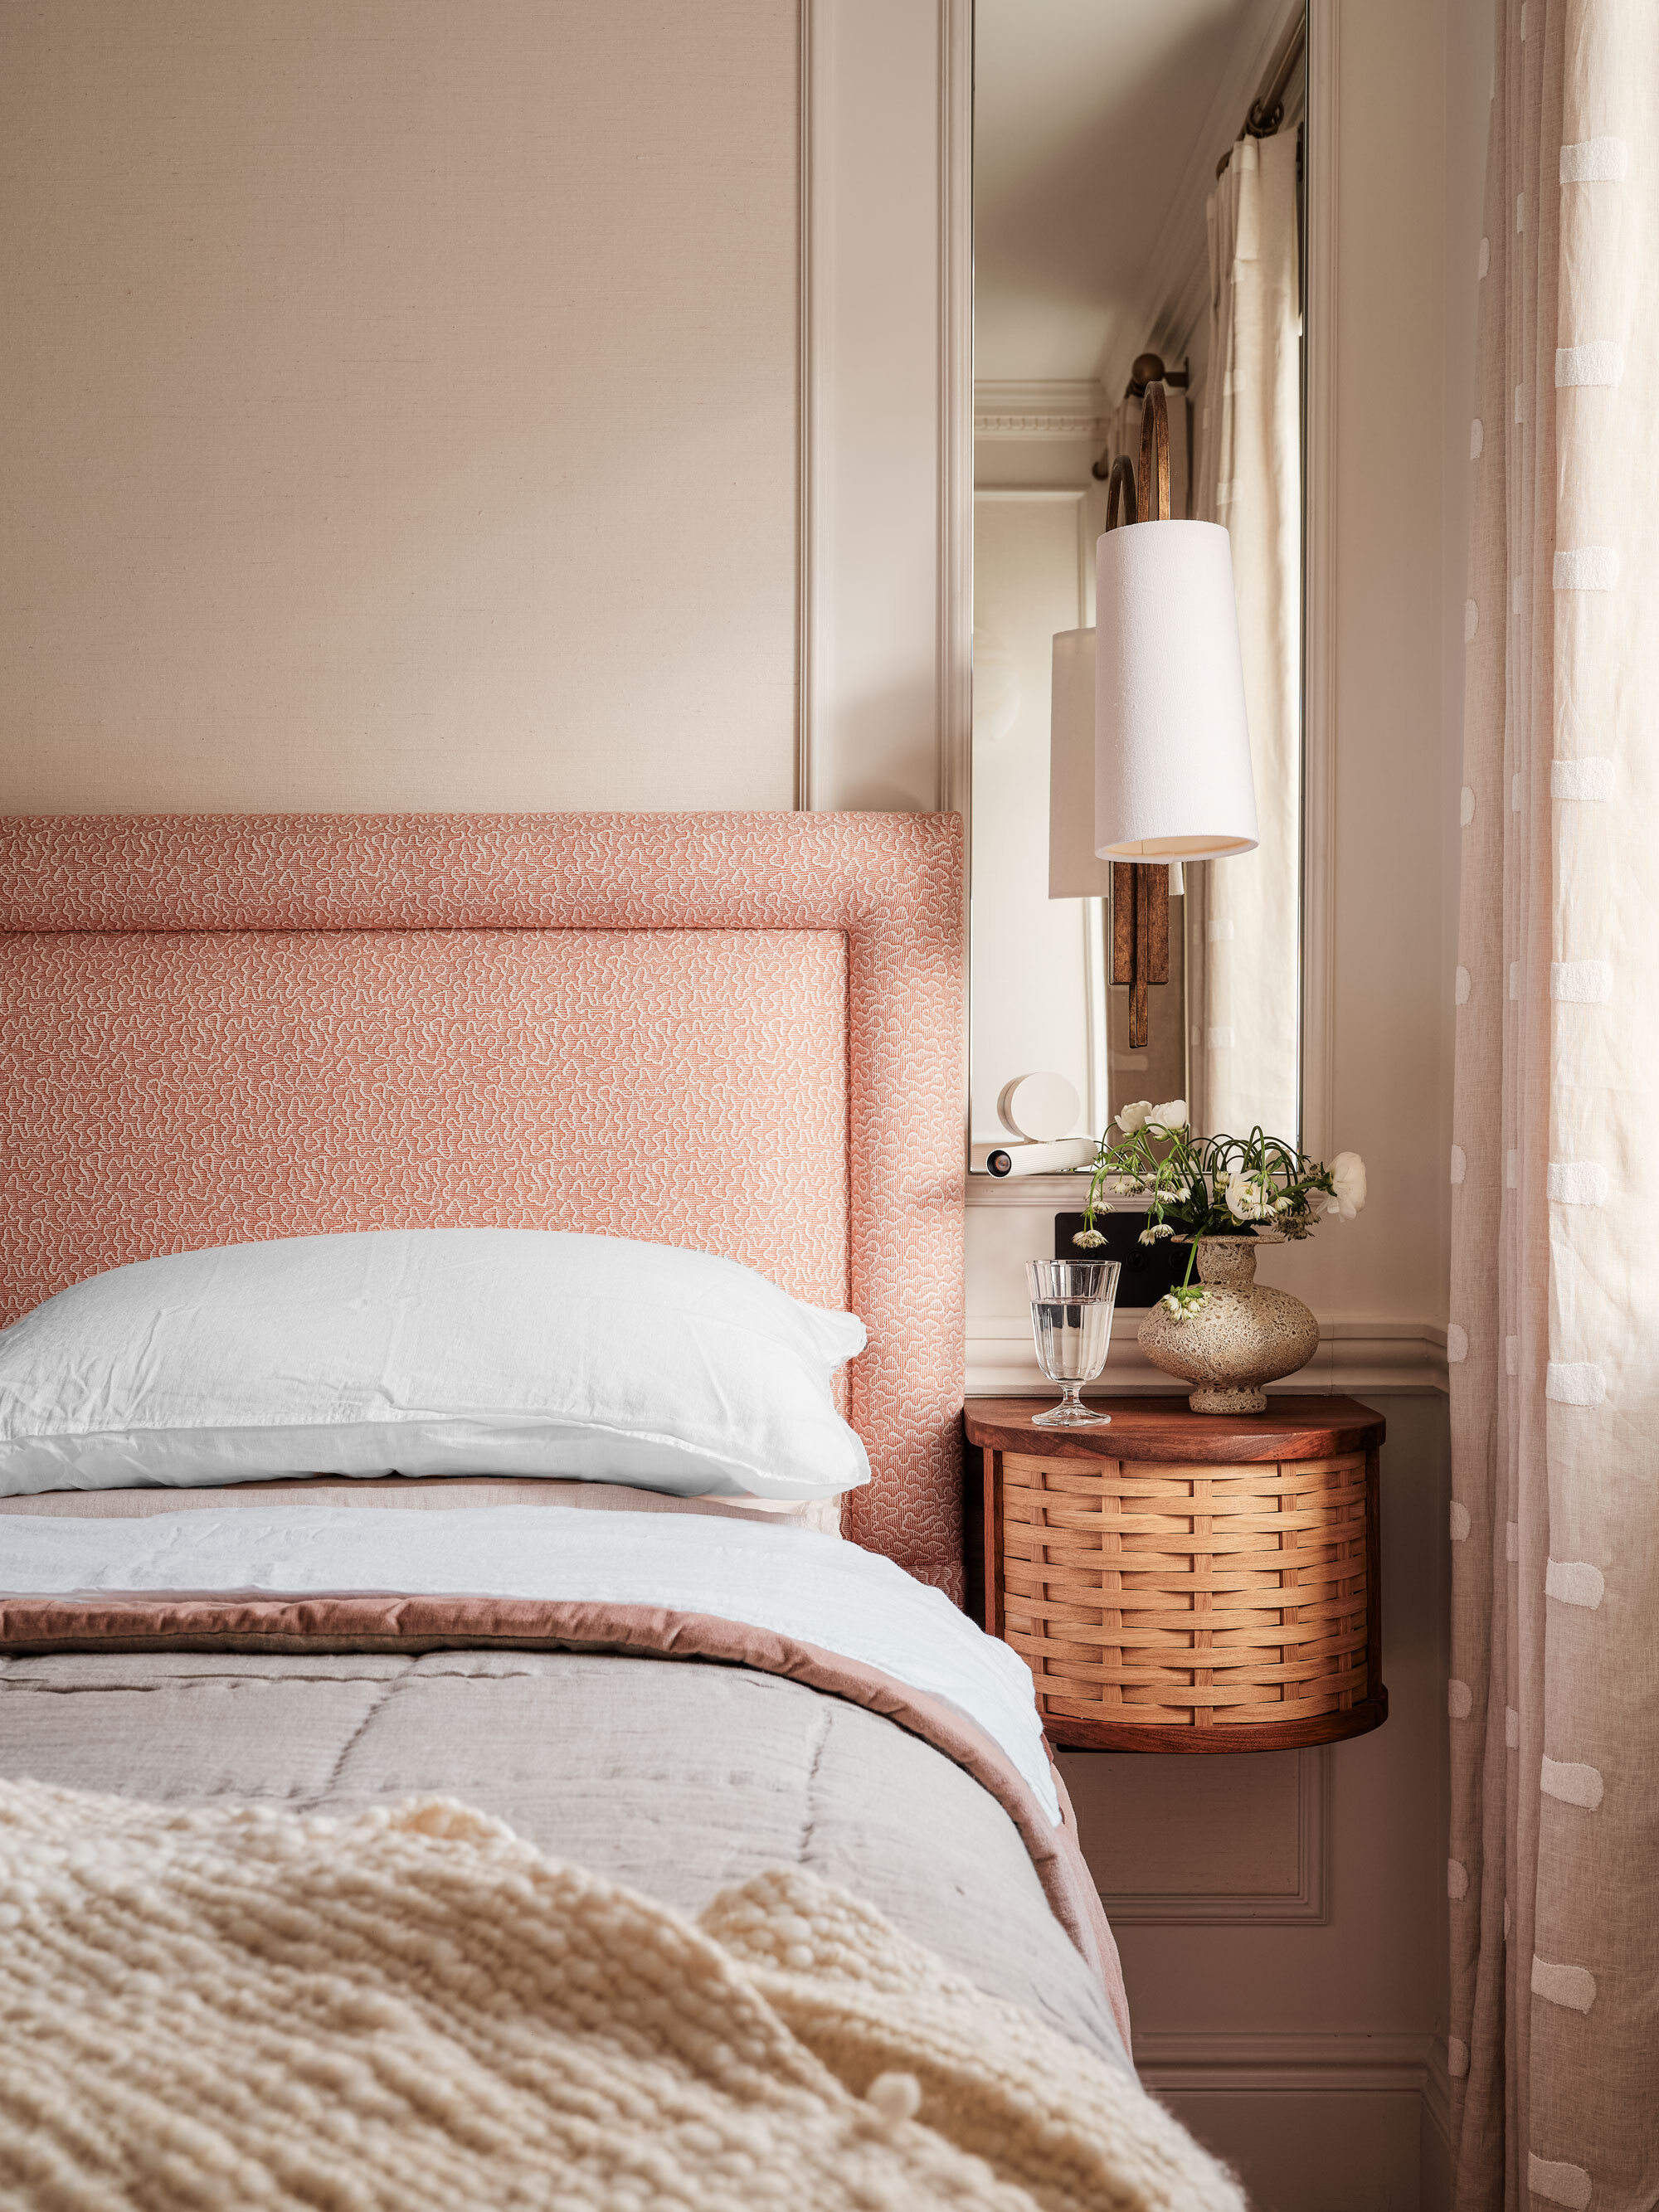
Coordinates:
412 2007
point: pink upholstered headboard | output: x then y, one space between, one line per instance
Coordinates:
743 1032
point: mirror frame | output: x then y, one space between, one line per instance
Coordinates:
1318 599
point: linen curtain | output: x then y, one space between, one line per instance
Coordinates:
1553 1869
1243 940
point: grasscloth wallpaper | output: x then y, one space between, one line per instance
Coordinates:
398 403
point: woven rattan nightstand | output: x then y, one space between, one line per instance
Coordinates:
1186 1581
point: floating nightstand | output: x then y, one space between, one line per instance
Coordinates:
1185 1582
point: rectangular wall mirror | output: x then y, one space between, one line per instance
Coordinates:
1139 233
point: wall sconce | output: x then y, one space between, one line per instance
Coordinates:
1150 762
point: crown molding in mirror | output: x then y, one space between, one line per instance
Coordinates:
1061 408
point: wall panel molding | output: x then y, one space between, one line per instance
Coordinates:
807 440
1307 1905
885 476
956 408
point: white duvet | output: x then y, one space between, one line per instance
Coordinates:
788 1580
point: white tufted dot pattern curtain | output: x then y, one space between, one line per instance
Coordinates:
1553 1868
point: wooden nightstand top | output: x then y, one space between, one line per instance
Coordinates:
1167 1429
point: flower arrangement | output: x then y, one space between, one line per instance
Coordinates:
1255 1186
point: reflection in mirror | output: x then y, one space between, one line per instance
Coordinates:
1137 213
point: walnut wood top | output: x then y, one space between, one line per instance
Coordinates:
1167 1429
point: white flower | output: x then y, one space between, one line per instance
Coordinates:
1147 1237
1348 1185
1249 1196
1131 1118
1170 1117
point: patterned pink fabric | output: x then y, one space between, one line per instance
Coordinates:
743 1032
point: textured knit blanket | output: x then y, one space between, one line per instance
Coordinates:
412 2007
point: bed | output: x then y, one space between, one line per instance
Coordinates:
740 1035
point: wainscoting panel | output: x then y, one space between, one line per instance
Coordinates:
1204 1842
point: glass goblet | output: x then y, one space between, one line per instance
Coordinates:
1071 1303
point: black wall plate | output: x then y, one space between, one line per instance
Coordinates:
1149 1270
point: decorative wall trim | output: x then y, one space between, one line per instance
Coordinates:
956 409
1306 1906
1319 590
1061 408
884 597
1363 1356
1258 2061
806 403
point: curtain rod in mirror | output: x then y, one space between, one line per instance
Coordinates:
1268 110
1147 370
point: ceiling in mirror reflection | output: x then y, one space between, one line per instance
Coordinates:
1086 114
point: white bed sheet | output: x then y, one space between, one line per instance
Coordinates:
790 1581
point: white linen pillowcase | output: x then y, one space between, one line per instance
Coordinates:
507 1352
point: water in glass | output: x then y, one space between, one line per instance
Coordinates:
1072 1304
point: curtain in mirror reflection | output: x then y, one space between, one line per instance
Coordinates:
1242 915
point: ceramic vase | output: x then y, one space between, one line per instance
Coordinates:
1242 1334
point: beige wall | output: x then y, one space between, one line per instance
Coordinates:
398 404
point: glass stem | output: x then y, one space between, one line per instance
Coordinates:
1070 1397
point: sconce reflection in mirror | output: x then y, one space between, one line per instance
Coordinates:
1150 749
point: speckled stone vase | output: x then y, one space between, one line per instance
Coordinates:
1241 1336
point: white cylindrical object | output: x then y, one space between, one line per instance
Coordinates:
1172 746
1022 1159
1074 871
1038 1108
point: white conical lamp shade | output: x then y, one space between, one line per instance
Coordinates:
1172 747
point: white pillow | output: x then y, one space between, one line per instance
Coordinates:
512 1351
